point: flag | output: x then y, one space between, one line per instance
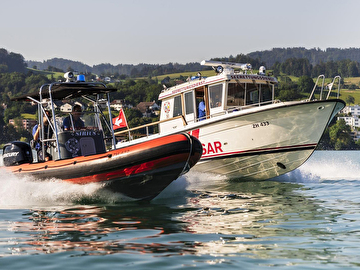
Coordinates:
120 121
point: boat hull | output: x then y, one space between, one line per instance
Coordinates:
139 171
259 144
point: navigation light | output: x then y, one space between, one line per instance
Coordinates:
81 78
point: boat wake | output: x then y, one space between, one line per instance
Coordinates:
322 166
192 181
18 192
326 166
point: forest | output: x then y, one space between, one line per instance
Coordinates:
136 83
268 58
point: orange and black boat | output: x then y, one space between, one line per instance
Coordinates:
138 168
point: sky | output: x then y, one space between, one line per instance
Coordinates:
163 31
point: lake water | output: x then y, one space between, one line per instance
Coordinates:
307 219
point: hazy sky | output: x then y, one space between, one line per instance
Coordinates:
163 31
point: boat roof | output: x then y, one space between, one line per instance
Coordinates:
66 90
226 72
226 76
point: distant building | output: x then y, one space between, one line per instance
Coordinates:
28 124
352 121
352 118
356 135
148 108
117 104
353 110
67 107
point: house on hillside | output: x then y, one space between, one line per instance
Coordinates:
27 124
117 104
67 107
148 108
352 118
352 121
353 110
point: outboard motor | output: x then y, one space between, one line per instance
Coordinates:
17 153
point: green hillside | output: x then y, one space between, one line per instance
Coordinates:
204 73
344 88
49 74
344 91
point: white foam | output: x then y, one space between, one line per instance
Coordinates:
26 192
327 165
191 181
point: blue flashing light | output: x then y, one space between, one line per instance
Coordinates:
81 78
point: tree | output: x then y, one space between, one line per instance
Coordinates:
9 134
12 62
353 69
296 67
350 99
340 136
288 95
305 84
11 113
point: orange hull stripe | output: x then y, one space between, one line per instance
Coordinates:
67 162
130 171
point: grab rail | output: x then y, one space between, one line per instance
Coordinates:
328 86
322 86
149 125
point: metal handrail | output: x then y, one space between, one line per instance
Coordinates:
149 125
322 86
118 133
330 85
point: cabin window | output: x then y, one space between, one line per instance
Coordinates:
215 93
189 103
177 106
266 92
252 93
236 94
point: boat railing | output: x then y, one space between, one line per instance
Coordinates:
328 87
184 121
147 126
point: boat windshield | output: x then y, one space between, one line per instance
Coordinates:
242 94
236 94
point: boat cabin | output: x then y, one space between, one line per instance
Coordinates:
235 87
92 136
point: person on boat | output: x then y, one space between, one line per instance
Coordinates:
74 120
201 110
48 133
